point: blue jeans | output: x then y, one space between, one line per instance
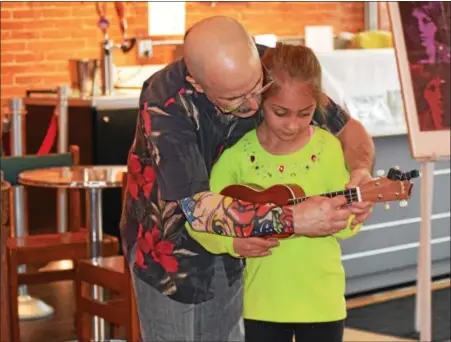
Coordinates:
219 319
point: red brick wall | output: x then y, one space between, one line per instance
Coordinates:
37 38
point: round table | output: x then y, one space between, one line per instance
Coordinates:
92 179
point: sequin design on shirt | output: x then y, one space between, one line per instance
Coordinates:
280 171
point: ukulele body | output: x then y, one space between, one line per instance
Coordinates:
278 194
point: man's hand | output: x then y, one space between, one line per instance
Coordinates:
361 210
254 246
320 216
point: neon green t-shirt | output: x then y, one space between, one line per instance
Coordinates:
303 279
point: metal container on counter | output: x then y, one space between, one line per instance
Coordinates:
84 77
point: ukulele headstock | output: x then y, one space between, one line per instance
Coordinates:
396 186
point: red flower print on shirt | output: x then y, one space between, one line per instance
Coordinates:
137 178
161 251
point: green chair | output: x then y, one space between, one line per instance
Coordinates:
41 249
12 167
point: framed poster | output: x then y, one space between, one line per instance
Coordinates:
421 32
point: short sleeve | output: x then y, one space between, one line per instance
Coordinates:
179 166
334 118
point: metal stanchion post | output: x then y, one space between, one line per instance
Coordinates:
29 307
62 111
63 144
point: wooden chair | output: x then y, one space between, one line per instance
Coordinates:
4 234
44 248
112 273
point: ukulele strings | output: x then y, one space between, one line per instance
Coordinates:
350 194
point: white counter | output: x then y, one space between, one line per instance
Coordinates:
361 72
366 84
386 131
129 81
121 99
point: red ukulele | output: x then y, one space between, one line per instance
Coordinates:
395 187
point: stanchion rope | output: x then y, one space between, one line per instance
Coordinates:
50 136
47 143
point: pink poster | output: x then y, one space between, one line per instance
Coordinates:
421 31
426 26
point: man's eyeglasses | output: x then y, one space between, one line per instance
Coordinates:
268 81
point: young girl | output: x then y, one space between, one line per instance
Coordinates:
299 289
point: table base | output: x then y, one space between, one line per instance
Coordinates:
94 224
31 308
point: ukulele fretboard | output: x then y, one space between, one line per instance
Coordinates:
352 195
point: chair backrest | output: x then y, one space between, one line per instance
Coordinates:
12 167
6 195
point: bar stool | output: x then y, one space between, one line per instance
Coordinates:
111 273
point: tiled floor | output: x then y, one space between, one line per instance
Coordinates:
60 327
385 296
353 335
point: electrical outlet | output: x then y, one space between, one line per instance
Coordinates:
145 48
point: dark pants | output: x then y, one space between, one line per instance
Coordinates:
258 331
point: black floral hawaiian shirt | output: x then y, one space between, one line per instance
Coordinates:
179 135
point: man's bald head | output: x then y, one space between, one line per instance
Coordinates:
221 56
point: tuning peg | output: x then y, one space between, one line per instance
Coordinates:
412 174
387 206
380 173
403 204
393 174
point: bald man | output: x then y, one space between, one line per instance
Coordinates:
189 112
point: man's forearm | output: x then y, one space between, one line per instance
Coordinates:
358 146
213 213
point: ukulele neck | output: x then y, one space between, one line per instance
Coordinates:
352 195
